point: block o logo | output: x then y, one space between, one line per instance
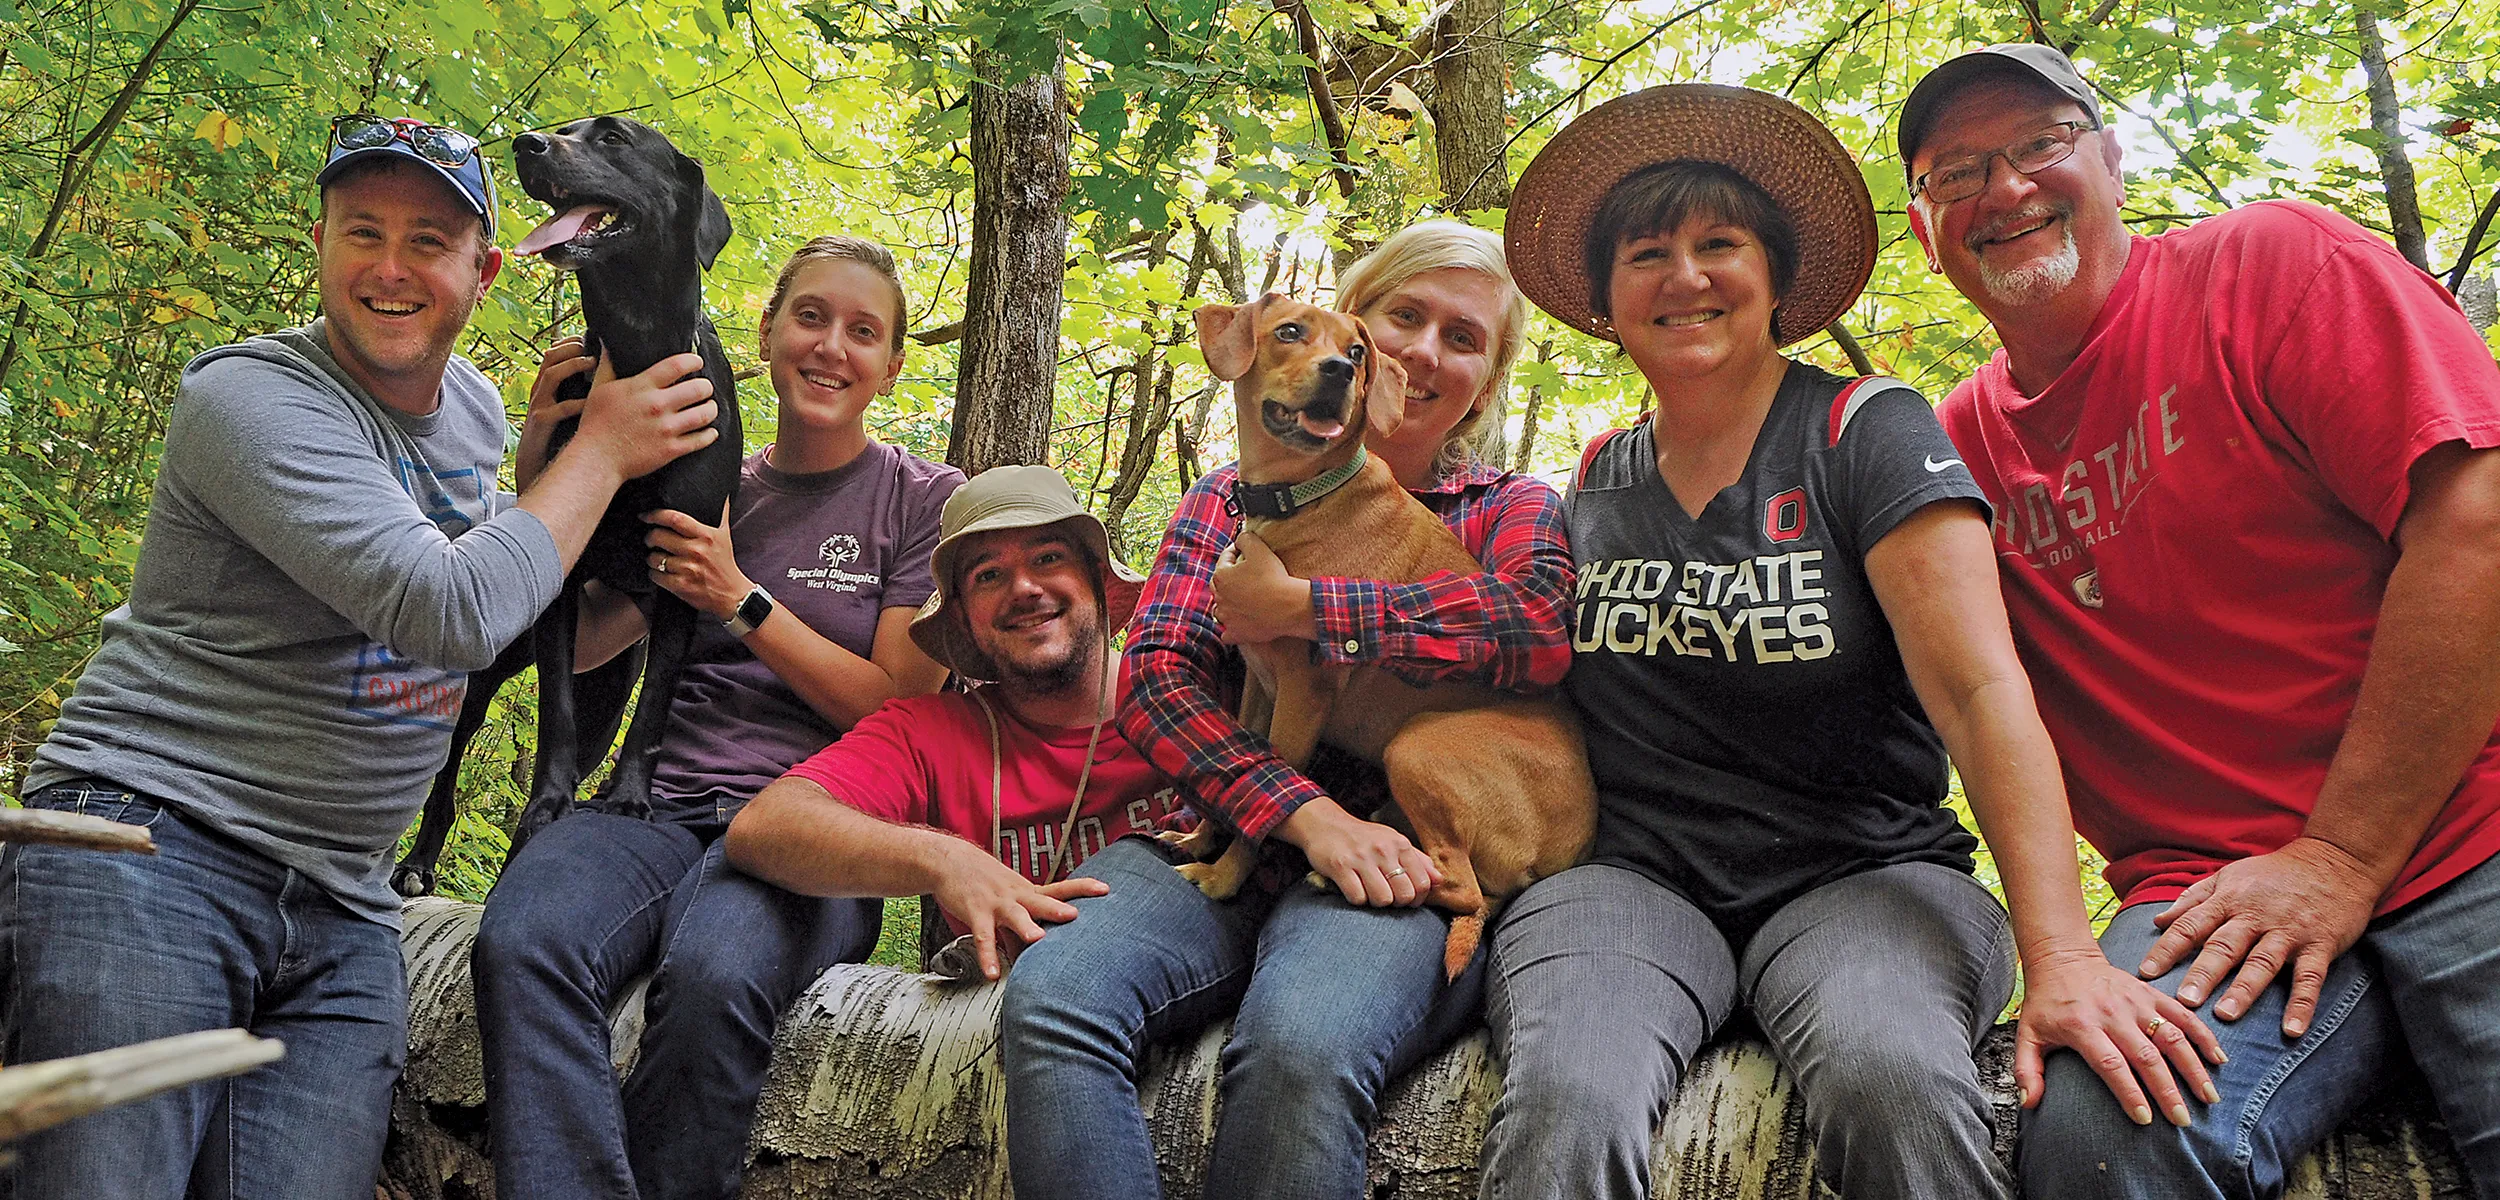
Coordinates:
1784 518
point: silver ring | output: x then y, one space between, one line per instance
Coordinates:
2155 1026
663 564
1397 870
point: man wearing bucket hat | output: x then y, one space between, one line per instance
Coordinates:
2249 534
986 799
326 557
1770 747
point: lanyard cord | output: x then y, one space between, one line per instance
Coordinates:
1067 829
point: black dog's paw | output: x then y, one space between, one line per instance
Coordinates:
412 881
536 818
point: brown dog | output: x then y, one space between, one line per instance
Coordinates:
1493 787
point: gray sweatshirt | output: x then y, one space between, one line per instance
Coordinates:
319 575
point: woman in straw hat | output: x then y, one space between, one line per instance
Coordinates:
1331 999
1784 576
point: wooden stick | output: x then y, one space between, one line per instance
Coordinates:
43 1094
72 829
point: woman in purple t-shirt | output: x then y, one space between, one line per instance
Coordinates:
832 532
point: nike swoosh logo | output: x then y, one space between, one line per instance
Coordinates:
1933 466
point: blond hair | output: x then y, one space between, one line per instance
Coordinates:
1438 246
853 249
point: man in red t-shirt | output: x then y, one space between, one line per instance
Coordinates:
2248 519
987 799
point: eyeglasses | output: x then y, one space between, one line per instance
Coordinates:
438 144
1964 178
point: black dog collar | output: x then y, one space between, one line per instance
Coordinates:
1276 500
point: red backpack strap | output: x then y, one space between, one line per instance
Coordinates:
1853 397
1588 453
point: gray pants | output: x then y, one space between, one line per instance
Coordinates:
1873 990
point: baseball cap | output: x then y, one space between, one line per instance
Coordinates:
2028 61
358 137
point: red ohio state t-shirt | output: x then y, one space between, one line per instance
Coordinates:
926 761
2193 526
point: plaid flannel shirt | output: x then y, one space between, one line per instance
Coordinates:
1508 628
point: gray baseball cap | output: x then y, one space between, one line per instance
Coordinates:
2029 61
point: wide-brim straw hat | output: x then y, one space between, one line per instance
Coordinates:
1768 140
1014 497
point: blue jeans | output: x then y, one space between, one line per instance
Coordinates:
1334 1001
588 906
2428 974
1873 990
99 950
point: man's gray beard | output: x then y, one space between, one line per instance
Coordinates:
2035 283
2040 281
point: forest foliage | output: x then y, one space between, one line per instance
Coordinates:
156 157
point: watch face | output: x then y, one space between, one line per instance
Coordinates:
753 609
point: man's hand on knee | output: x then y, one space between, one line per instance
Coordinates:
2297 907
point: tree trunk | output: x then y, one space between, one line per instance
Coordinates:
1150 404
887 1086
1468 104
1530 412
1010 355
2404 210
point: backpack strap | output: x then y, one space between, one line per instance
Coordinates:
1588 453
1854 397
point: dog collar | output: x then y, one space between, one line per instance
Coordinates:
1276 500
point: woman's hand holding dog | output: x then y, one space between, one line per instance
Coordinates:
990 899
696 562
2125 1029
1368 861
1257 600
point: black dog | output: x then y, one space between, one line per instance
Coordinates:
637 225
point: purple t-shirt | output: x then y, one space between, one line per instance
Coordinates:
836 548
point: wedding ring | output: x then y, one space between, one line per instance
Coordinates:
663 566
2155 1026
1397 870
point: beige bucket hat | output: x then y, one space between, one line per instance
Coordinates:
1015 497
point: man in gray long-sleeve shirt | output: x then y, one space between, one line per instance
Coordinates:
326 558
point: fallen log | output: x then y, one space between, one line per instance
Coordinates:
886 1085
39 1095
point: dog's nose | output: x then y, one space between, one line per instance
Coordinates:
1336 367
529 143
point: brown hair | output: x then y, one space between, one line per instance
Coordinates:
853 249
1660 198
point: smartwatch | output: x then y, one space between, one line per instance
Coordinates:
751 613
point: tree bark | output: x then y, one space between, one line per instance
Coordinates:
1010 356
1468 104
887 1086
2404 209
1530 411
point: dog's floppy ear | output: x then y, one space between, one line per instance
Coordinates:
711 228
1384 397
1228 336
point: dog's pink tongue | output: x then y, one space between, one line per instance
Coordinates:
559 228
1324 430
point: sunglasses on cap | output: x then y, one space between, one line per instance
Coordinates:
437 144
